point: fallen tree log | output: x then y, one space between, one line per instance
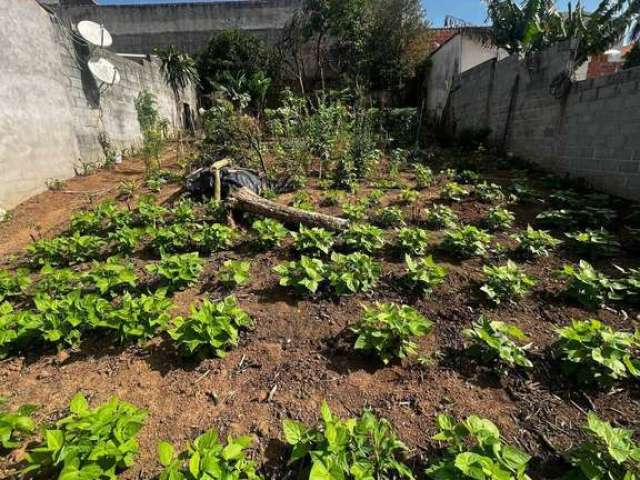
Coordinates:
245 200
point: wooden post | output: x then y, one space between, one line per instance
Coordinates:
217 187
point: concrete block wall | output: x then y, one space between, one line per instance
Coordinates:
591 134
52 112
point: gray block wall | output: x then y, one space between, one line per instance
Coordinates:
52 111
592 133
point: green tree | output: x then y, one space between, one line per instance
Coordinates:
179 71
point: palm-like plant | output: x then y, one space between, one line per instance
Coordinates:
179 70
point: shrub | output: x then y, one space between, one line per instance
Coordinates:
409 196
424 274
441 216
313 240
208 458
356 212
507 282
493 341
353 273
454 192
270 233
57 281
374 198
140 318
148 213
14 426
303 201
388 331
234 273
476 450
593 353
466 241
75 248
389 217
588 286
217 237
523 191
594 242
332 198
13 284
562 219
632 284
216 211
172 238
499 218
413 241
89 443
536 242
467 177
110 276
125 239
183 212
364 447
488 192
179 271
423 176
211 329
304 275
364 237
608 453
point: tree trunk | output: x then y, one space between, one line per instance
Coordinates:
245 200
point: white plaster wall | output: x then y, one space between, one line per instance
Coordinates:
445 65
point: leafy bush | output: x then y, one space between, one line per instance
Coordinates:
523 192
466 241
174 238
303 201
493 341
110 276
454 192
441 216
89 443
13 284
57 281
148 213
499 218
409 196
424 274
608 453
356 212
467 177
562 219
387 331
488 192
593 353
208 458
234 273
125 239
389 217
313 240
353 273
14 426
179 271
588 286
632 284
361 448
476 450
141 317
217 237
305 275
366 238
183 212
507 282
413 241
536 242
594 243
374 198
270 233
216 211
75 248
211 329
423 176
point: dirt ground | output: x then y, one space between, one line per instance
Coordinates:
298 354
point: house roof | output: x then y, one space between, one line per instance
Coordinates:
442 36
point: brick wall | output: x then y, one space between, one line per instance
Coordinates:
592 133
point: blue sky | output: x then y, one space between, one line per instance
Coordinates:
472 11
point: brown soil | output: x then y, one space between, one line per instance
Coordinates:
298 354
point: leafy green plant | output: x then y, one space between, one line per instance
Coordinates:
15 426
466 241
211 329
174 238
413 241
234 273
609 452
217 237
57 281
389 217
207 458
353 273
467 177
63 250
594 242
454 192
179 271
593 353
499 218
440 216
409 197
524 192
356 212
424 274
365 238
476 451
270 233
388 331
110 276
374 198
358 448
141 317
303 201
216 211
313 240
89 443
305 275
535 242
506 282
332 198
488 192
148 213
562 219
588 286
632 284
13 284
494 341
183 212
423 176
125 239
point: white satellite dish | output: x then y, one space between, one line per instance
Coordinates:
104 71
95 34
